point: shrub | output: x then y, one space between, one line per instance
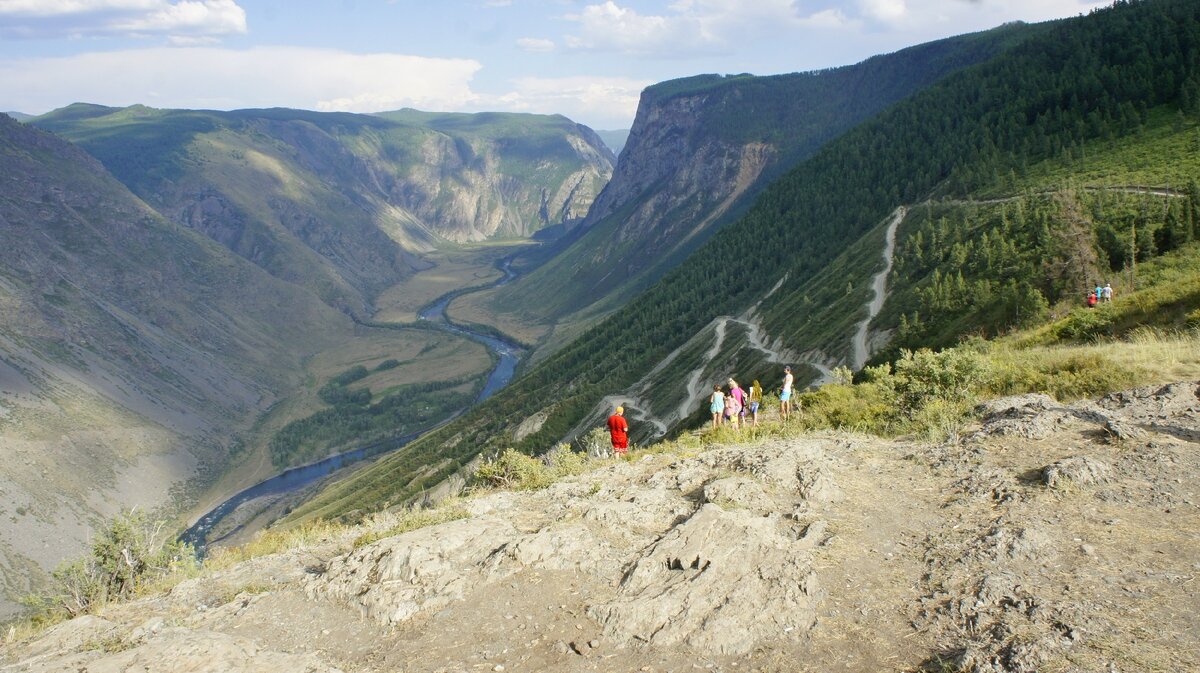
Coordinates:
952 374
1086 324
1192 321
595 444
513 470
941 420
127 552
866 407
1070 377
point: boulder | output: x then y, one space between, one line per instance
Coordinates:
721 582
1077 470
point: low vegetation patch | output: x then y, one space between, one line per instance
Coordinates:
514 471
274 541
414 520
128 553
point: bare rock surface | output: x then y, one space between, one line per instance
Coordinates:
1039 544
719 582
1077 470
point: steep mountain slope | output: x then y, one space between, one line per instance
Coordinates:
701 148
815 235
131 350
342 204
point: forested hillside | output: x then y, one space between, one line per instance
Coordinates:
343 204
700 150
987 131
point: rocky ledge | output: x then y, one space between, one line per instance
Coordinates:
1055 537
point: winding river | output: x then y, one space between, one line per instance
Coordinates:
509 355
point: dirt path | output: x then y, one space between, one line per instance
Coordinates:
859 345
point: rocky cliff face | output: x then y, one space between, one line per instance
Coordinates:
462 190
1049 535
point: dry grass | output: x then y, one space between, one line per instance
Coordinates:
1149 356
455 270
416 519
275 541
477 308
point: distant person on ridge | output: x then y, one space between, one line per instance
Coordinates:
618 428
755 400
1099 291
1091 300
716 405
785 395
1108 292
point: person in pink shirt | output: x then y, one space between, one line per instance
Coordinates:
739 403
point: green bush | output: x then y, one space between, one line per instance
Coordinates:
953 374
1086 324
597 443
515 471
390 363
1193 320
866 407
1072 378
127 552
941 420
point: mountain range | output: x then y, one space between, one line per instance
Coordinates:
344 204
174 270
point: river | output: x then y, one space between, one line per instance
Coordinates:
509 355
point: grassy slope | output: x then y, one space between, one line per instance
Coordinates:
143 347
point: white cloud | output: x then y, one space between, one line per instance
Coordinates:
600 102
690 27
887 11
826 18
610 27
80 18
969 14
313 79
60 7
535 44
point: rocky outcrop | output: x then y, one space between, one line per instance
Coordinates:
688 576
833 552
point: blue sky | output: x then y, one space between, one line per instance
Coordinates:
586 59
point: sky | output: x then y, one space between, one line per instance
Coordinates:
586 59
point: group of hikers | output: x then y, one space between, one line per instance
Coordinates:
1099 294
732 407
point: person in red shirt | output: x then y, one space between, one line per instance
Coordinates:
619 429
